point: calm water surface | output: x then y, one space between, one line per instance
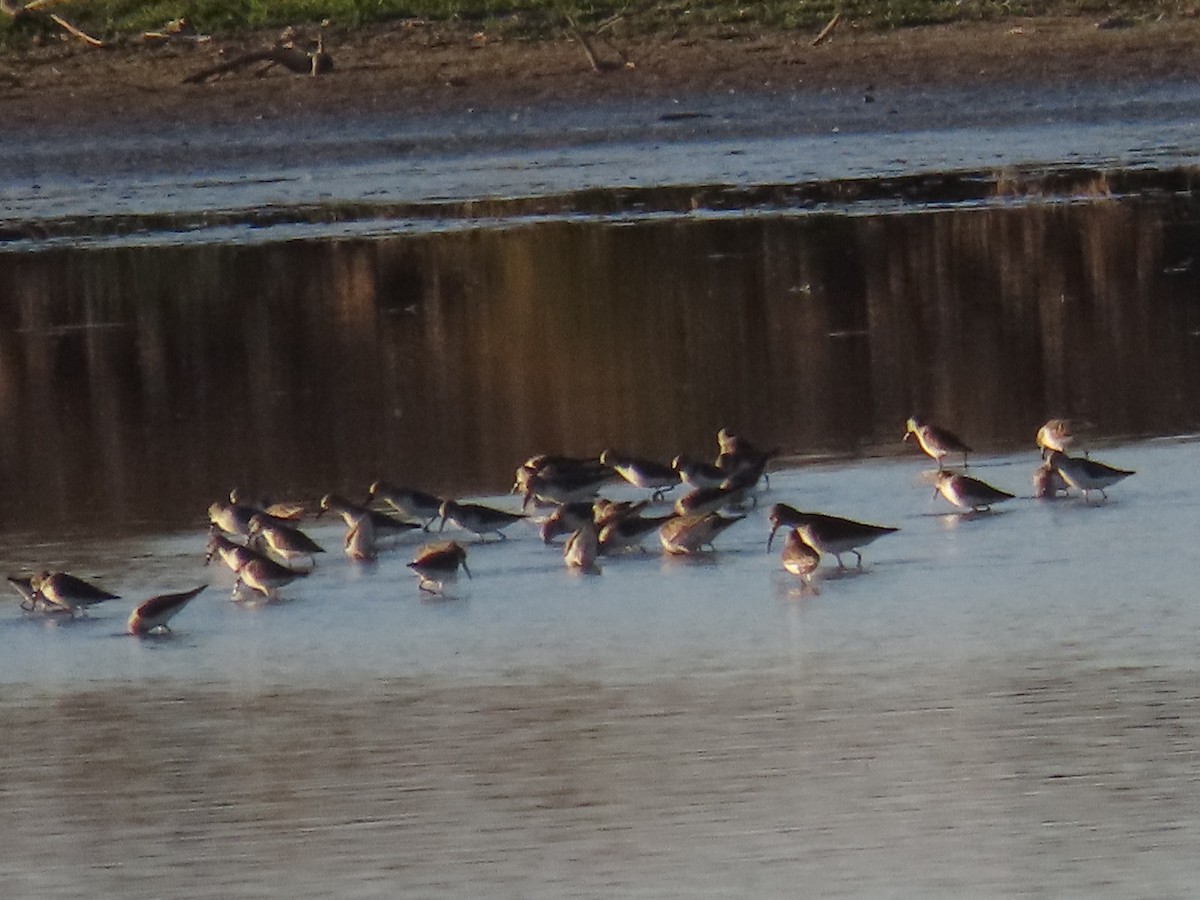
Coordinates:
1006 702
998 705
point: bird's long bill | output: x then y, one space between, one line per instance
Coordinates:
906 435
468 571
771 536
442 527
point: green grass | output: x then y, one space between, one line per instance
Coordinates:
114 19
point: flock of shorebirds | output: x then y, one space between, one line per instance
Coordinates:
263 545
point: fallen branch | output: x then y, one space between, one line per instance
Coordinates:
828 29
317 63
597 64
19 11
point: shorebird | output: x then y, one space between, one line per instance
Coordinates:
438 563
255 571
1086 474
23 585
384 526
288 543
741 459
560 471
627 532
566 518
1048 483
582 549
288 512
826 533
730 492
232 518
969 493
409 502
799 557
67 592
557 484
646 474
936 442
152 616
360 543
477 518
1056 434
698 475
693 533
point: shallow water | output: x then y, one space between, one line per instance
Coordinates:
998 705
1004 701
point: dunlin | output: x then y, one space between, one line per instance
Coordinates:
255 571
232 518
68 592
691 534
566 518
288 512
409 502
1087 475
1055 435
561 469
628 532
438 563
936 442
477 518
799 557
825 533
23 585
384 526
290 544
152 616
969 493
360 543
698 475
646 474
582 549
731 492
563 484
741 459
1048 484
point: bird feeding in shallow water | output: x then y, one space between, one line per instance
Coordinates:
66 592
934 441
969 493
257 572
646 474
825 533
1087 475
409 502
691 534
151 617
799 557
1048 483
438 563
477 518
582 549
287 542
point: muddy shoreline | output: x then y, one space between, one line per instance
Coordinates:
412 70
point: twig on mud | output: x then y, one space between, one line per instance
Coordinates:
828 29
291 58
17 11
598 64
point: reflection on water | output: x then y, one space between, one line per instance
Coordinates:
137 384
1007 702
1074 783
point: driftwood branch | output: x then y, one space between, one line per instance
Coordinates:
18 11
597 64
291 58
828 29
